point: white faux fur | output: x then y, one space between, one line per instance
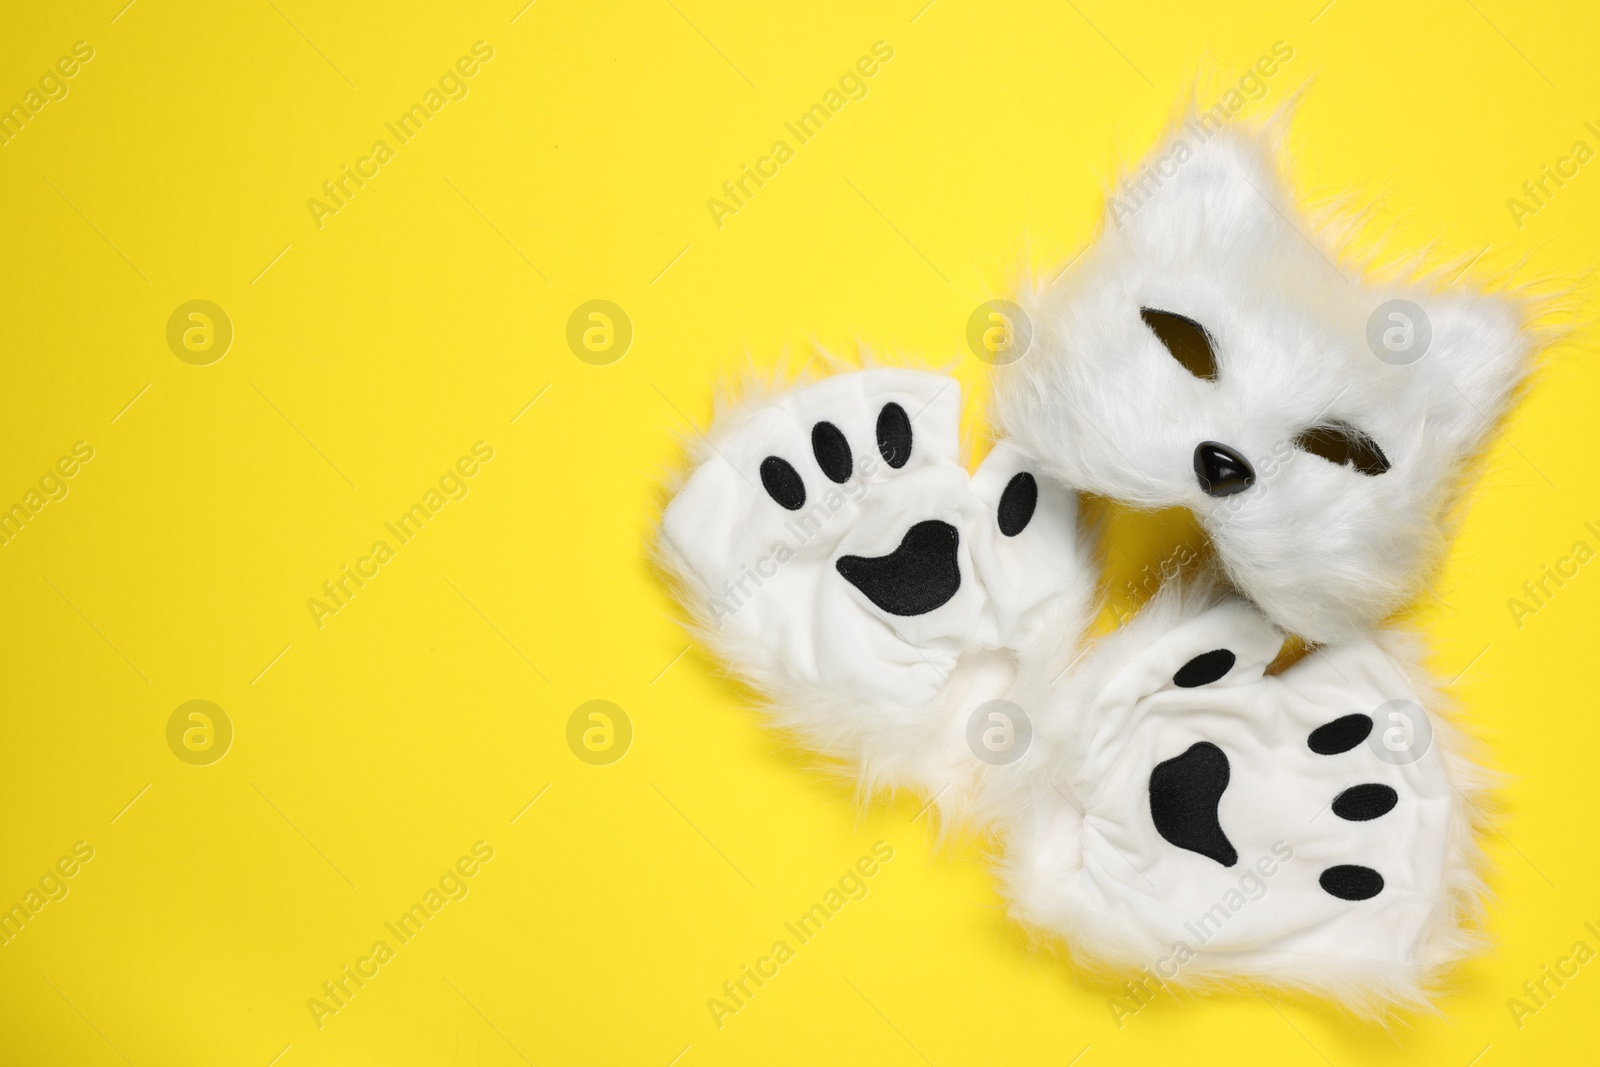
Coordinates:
907 700
1206 228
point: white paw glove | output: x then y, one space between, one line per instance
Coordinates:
834 548
1208 820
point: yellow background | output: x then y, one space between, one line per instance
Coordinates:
373 351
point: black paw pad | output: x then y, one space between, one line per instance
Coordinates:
1340 735
916 578
1204 669
1184 793
1350 882
1366 801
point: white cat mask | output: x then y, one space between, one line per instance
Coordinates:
1209 350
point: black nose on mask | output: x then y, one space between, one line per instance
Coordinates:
1220 470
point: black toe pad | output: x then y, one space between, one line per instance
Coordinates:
1364 802
1350 882
1204 669
1340 735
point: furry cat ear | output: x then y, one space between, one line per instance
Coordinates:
1203 182
1461 356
